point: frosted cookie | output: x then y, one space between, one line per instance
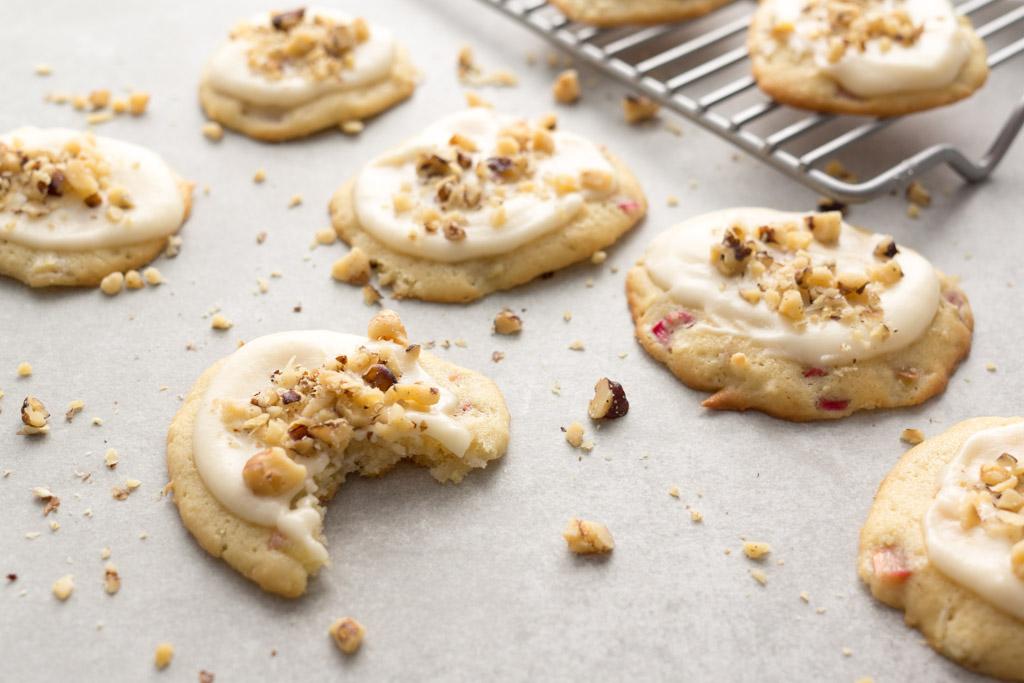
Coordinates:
268 434
75 207
943 542
621 12
283 75
871 57
801 316
482 201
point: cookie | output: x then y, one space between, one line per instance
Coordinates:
482 201
284 75
620 12
268 434
945 547
874 58
75 207
801 316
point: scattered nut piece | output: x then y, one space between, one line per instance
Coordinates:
34 416
163 656
272 473
609 402
294 201
213 131
24 369
74 408
506 322
759 576
133 280
387 326
566 88
112 284
696 517
598 257
63 587
326 236
219 322
912 436
352 127
574 434
110 458
138 101
153 276
917 194
585 537
576 345
259 176
43 69
353 267
756 550
112 581
347 634
637 108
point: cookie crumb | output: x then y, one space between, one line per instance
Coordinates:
326 236
371 296
259 176
506 322
847 652
219 322
153 276
352 127
24 369
576 345
163 655
759 576
917 194
138 101
105 553
912 436
598 257
112 284
805 597
352 268
756 550
74 408
574 434
111 579
347 634
294 201
585 537
133 280
213 131
637 109
696 516
64 587
566 88
991 367
567 316
110 458
674 491
43 69
475 100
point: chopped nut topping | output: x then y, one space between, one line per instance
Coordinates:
137 102
853 25
347 634
272 473
637 108
470 73
567 87
507 322
34 417
585 537
163 655
609 401
353 268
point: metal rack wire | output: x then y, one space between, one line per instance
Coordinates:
668 63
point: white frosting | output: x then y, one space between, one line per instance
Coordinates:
229 73
159 207
220 454
932 61
679 262
528 215
973 558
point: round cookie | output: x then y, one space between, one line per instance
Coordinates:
893 561
481 202
821 353
810 63
608 13
290 74
75 207
341 404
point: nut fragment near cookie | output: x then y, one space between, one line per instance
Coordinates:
624 12
268 434
801 316
482 201
870 57
75 207
287 74
944 542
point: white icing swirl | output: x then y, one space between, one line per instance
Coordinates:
678 261
933 61
529 216
220 454
973 558
228 70
159 208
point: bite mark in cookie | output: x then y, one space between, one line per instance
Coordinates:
799 315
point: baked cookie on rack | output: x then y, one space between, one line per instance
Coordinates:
943 542
75 207
482 201
609 13
801 316
283 75
868 57
267 435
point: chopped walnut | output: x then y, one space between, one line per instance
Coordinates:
353 267
137 102
470 73
110 458
506 322
566 88
347 634
34 417
759 576
637 108
825 226
585 537
852 26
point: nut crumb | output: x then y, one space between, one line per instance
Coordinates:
609 402
352 268
370 295
110 458
506 322
24 369
585 537
43 69
347 634
294 201
696 516
912 436
153 276
574 434
759 576
219 322
74 408
259 176
576 345
133 280
213 131
112 284
918 194
163 655
352 127
598 257
637 108
756 550
64 587
991 367
111 579
566 88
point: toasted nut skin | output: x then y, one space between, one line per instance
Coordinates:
271 472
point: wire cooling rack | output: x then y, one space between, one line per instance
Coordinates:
701 70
